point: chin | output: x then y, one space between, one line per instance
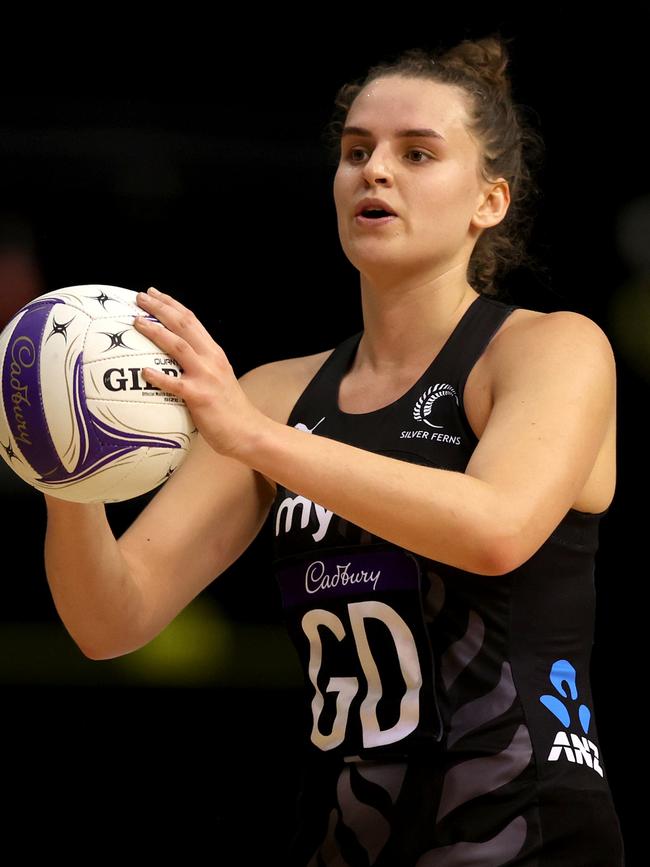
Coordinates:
371 250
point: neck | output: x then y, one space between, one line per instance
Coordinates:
404 323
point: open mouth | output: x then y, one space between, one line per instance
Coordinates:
375 213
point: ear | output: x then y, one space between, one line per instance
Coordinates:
493 204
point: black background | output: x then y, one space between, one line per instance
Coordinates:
186 154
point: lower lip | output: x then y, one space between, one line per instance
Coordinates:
377 221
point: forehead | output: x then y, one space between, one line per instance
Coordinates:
395 102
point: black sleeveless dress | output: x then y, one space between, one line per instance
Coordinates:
449 718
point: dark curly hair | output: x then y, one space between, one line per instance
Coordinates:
510 147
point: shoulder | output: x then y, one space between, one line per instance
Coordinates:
559 341
275 387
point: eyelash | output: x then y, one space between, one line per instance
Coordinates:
412 150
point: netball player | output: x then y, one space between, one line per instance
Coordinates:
435 483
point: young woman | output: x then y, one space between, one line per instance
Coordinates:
435 483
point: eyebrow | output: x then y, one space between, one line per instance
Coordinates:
401 133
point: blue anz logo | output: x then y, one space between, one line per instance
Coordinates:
576 748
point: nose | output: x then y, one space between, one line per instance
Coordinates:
376 170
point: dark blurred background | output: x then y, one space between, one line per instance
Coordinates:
191 160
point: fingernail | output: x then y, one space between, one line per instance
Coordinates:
153 290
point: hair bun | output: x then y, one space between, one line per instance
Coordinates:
487 58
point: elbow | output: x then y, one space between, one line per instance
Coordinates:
502 551
89 652
97 655
491 541
119 646
499 560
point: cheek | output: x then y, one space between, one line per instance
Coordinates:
446 202
341 179
336 187
342 191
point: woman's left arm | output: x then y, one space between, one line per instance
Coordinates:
554 385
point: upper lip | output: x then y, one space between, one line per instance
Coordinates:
373 203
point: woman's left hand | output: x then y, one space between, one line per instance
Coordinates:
219 407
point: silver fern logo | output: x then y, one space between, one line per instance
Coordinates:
425 403
424 407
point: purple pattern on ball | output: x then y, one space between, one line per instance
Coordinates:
100 443
21 391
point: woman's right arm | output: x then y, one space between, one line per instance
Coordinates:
91 584
114 596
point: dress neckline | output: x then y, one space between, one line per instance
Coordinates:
352 352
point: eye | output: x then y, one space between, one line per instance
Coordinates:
422 153
353 151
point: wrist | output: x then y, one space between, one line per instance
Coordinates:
58 506
249 448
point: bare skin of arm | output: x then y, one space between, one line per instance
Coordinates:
114 596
